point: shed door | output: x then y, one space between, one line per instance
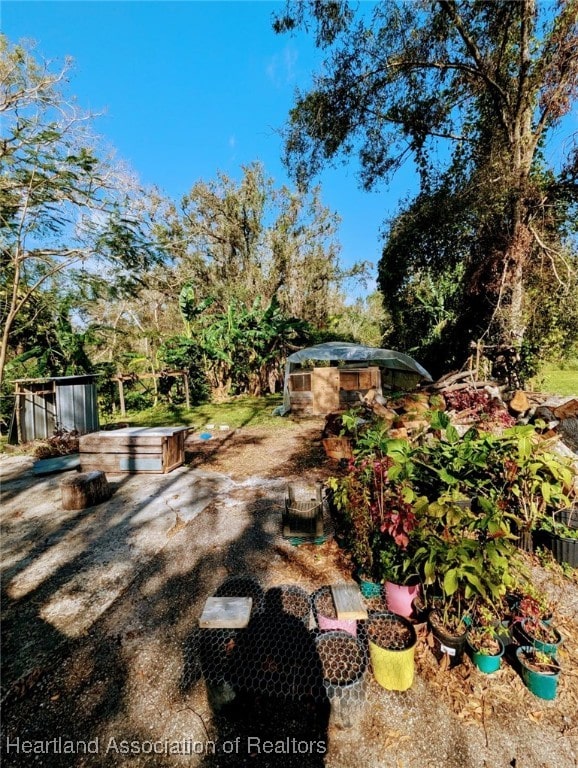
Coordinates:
37 412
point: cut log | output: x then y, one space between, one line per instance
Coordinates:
469 385
338 448
382 412
451 378
411 424
519 402
567 410
84 489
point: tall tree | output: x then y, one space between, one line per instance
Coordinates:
67 214
237 241
474 84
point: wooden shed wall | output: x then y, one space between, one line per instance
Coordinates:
330 388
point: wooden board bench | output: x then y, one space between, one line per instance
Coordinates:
348 601
134 449
226 612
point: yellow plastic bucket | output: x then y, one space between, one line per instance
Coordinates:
392 641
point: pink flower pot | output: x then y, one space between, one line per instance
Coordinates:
400 597
346 625
325 623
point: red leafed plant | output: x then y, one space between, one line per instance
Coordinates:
482 406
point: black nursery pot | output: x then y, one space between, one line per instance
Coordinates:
447 644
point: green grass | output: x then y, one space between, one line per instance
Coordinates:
558 380
235 413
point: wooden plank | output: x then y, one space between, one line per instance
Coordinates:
348 601
174 451
111 462
56 464
226 612
123 445
325 390
147 431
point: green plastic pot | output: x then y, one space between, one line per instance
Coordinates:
539 645
543 685
485 662
368 588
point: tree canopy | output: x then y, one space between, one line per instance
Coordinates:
470 91
67 213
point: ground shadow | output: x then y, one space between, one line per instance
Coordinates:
265 686
93 687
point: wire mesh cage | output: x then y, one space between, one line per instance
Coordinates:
303 512
243 585
276 655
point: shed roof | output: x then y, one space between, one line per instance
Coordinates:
43 379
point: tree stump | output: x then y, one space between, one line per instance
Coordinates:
84 489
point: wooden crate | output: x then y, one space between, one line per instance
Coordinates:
133 449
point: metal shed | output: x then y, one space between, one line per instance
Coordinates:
43 406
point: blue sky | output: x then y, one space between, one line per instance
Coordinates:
192 88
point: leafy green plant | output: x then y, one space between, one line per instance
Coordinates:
377 502
396 564
351 499
484 639
464 557
533 479
557 528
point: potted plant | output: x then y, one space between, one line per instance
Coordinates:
401 581
541 636
558 532
528 601
485 644
463 558
448 620
326 615
540 671
392 641
487 648
534 481
351 501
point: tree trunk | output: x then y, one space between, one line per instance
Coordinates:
517 256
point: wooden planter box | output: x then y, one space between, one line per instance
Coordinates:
154 450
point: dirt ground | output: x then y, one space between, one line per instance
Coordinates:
100 609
